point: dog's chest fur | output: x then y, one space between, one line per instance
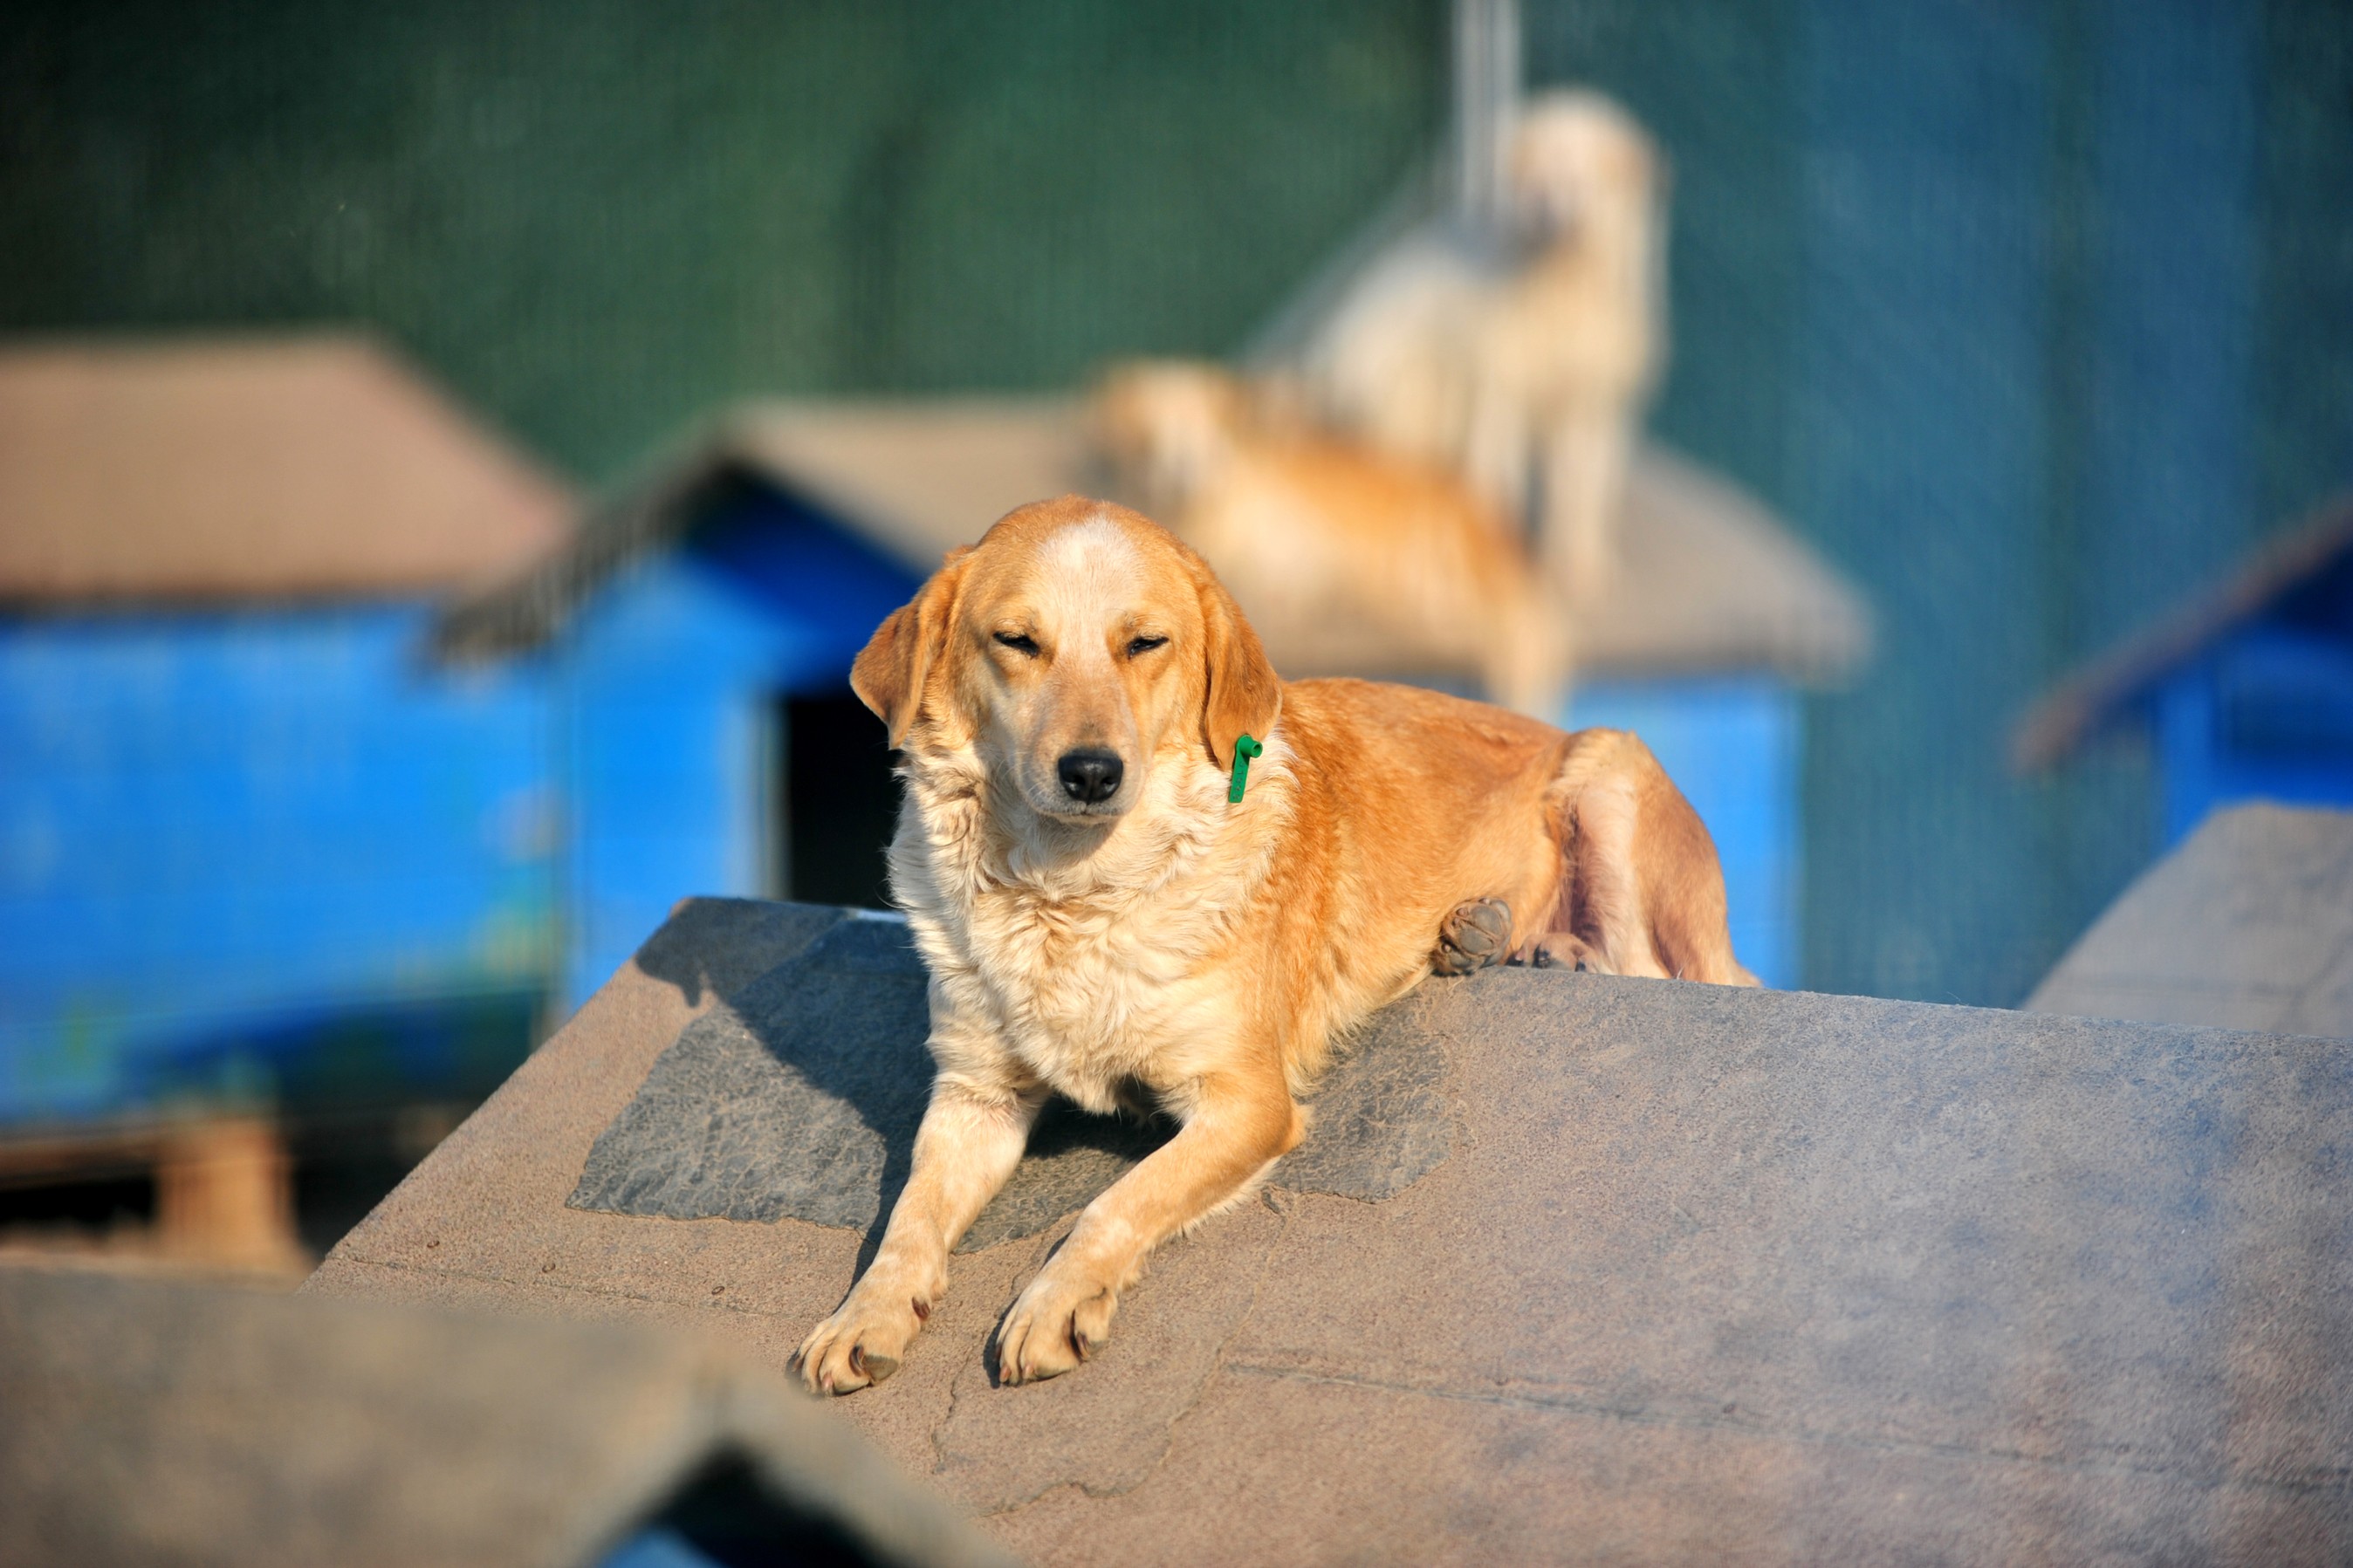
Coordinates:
1090 972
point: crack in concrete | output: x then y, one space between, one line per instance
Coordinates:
1051 1489
2333 1480
566 1287
1039 1245
1192 1400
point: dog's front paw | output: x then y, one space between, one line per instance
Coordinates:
1063 1318
865 1338
1476 935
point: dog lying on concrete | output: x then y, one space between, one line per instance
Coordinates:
1529 367
1371 560
1102 919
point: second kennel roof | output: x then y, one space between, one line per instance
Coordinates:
1714 581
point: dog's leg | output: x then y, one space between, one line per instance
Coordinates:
1586 454
1495 449
1611 921
1478 932
1644 892
1565 949
1527 655
968 1144
1235 1127
1683 887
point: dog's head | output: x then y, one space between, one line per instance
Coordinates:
1165 427
1581 166
1077 648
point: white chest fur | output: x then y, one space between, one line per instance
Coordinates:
1080 963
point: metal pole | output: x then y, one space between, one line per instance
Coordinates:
1486 96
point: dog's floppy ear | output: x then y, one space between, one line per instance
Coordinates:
893 669
1243 694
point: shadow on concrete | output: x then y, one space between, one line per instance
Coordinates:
799 1095
719 947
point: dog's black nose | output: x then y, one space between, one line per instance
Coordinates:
1091 775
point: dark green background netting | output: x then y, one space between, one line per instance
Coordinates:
2032 317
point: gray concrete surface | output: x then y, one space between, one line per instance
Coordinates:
799 1098
148 1420
1707 1276
2248 925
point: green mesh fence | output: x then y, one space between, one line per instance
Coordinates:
601 220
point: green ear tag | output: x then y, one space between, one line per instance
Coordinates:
1244 750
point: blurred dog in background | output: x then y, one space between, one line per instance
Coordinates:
1343 556
1520 360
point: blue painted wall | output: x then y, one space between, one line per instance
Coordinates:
245 854
2264 715
670 680
220 834
272 852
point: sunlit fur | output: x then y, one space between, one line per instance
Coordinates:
1333 546
1200 954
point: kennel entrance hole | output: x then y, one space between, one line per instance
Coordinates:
838 801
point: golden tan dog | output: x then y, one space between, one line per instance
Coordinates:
1099 920
1528 370
1371 561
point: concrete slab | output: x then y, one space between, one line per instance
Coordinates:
1703 1274
2248 925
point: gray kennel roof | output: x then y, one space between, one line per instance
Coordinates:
1712 580
203 469
158 1421
2248 925
1569 1264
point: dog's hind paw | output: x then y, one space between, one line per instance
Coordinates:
1478 934
1561 950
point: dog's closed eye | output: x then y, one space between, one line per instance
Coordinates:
1145 645
1019 642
